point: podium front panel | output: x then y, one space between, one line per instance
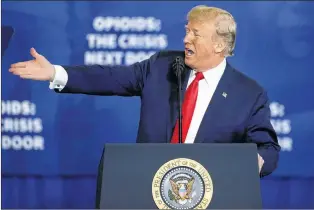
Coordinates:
128 172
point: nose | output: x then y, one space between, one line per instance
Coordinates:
187 39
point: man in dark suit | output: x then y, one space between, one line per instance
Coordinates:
221 105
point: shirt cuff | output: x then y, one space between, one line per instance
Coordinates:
61 78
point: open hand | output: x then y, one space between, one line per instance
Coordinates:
38 69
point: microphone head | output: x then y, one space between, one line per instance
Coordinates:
179 59
178 65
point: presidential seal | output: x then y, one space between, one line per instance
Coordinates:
182 184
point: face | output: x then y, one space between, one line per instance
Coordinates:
200 49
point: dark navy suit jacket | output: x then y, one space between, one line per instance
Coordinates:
243 116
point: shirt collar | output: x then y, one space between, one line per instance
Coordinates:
213 74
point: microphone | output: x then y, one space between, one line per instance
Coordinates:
179 69
178 66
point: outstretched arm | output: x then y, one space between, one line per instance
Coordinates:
95 79
106 80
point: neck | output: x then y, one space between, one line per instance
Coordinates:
211 64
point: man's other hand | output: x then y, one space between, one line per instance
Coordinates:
38 69
260 163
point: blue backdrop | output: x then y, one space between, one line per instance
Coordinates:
51 143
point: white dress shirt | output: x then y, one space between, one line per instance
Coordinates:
206 89
60 79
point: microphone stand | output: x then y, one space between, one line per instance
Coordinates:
179 72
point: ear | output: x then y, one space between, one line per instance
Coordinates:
219 47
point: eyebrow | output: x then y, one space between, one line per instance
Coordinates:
195 30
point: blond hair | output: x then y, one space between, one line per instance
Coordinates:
223 21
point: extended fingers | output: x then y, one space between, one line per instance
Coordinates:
21 64
20 71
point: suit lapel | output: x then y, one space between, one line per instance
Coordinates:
217 105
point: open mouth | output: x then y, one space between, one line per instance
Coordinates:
188 52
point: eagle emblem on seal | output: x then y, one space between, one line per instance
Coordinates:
181 191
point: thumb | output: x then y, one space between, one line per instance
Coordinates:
34 53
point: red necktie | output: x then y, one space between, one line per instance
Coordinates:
188 107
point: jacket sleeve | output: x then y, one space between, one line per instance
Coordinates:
108 80
261 132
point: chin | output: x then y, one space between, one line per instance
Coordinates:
188 62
